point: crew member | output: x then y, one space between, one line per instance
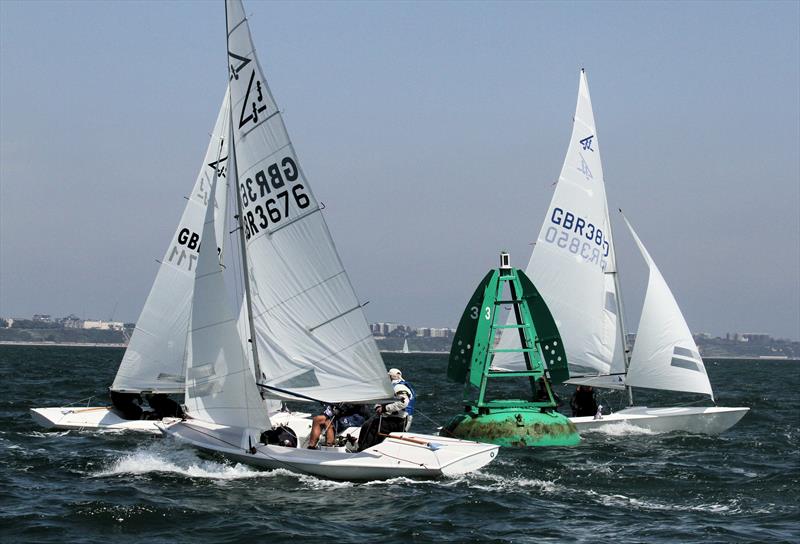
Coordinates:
334 419
388 418
583 402
127 404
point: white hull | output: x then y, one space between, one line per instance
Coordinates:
401 454
92 418
701 420
104 418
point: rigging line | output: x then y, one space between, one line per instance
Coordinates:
87 399
416 411
286 391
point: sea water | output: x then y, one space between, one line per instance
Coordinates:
619 485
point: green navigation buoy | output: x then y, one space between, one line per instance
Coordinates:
539 359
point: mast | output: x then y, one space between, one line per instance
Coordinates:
622 330
240 217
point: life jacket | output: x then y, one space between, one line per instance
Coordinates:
413 401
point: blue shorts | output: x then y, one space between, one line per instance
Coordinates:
355 420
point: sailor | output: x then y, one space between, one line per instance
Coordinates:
127 404
583 402
399 384
335 418
164 406
391 417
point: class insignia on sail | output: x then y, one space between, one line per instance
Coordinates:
490 415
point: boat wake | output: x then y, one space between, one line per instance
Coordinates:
180 462
623 428
45 434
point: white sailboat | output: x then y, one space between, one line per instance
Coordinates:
154 360
574 267
405 346
311 338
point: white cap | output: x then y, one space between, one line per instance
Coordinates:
395 374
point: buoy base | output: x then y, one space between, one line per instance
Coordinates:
513 427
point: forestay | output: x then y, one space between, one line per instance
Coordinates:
573 260
311 333
154 360
665 355
220 387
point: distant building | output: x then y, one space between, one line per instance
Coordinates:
6 322
72 321
44 318
104 325
758 338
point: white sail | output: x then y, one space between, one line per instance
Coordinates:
310 327
665 355
154 360
573 261
405 346
220 387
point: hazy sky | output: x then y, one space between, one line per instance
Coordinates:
431 131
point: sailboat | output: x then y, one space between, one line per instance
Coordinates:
154 361
574 266
307 331
155 358
405 346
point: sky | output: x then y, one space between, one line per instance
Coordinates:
433 133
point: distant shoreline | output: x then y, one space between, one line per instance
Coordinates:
62 344
712 358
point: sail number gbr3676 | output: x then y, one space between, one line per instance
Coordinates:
269 196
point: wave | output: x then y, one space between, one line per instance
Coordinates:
618 500
493 482
45 434
181 462
622 428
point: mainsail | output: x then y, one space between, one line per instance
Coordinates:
573 260
154 360
220 387
665 355
311 333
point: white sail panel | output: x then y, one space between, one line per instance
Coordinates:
220 386
665 355
573 258
154 360
310 329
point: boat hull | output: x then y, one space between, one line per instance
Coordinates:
100 418
700 420
91 417
399 455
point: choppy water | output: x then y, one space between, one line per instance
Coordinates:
617 486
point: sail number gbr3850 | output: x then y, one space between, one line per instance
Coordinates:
578 235
271 196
